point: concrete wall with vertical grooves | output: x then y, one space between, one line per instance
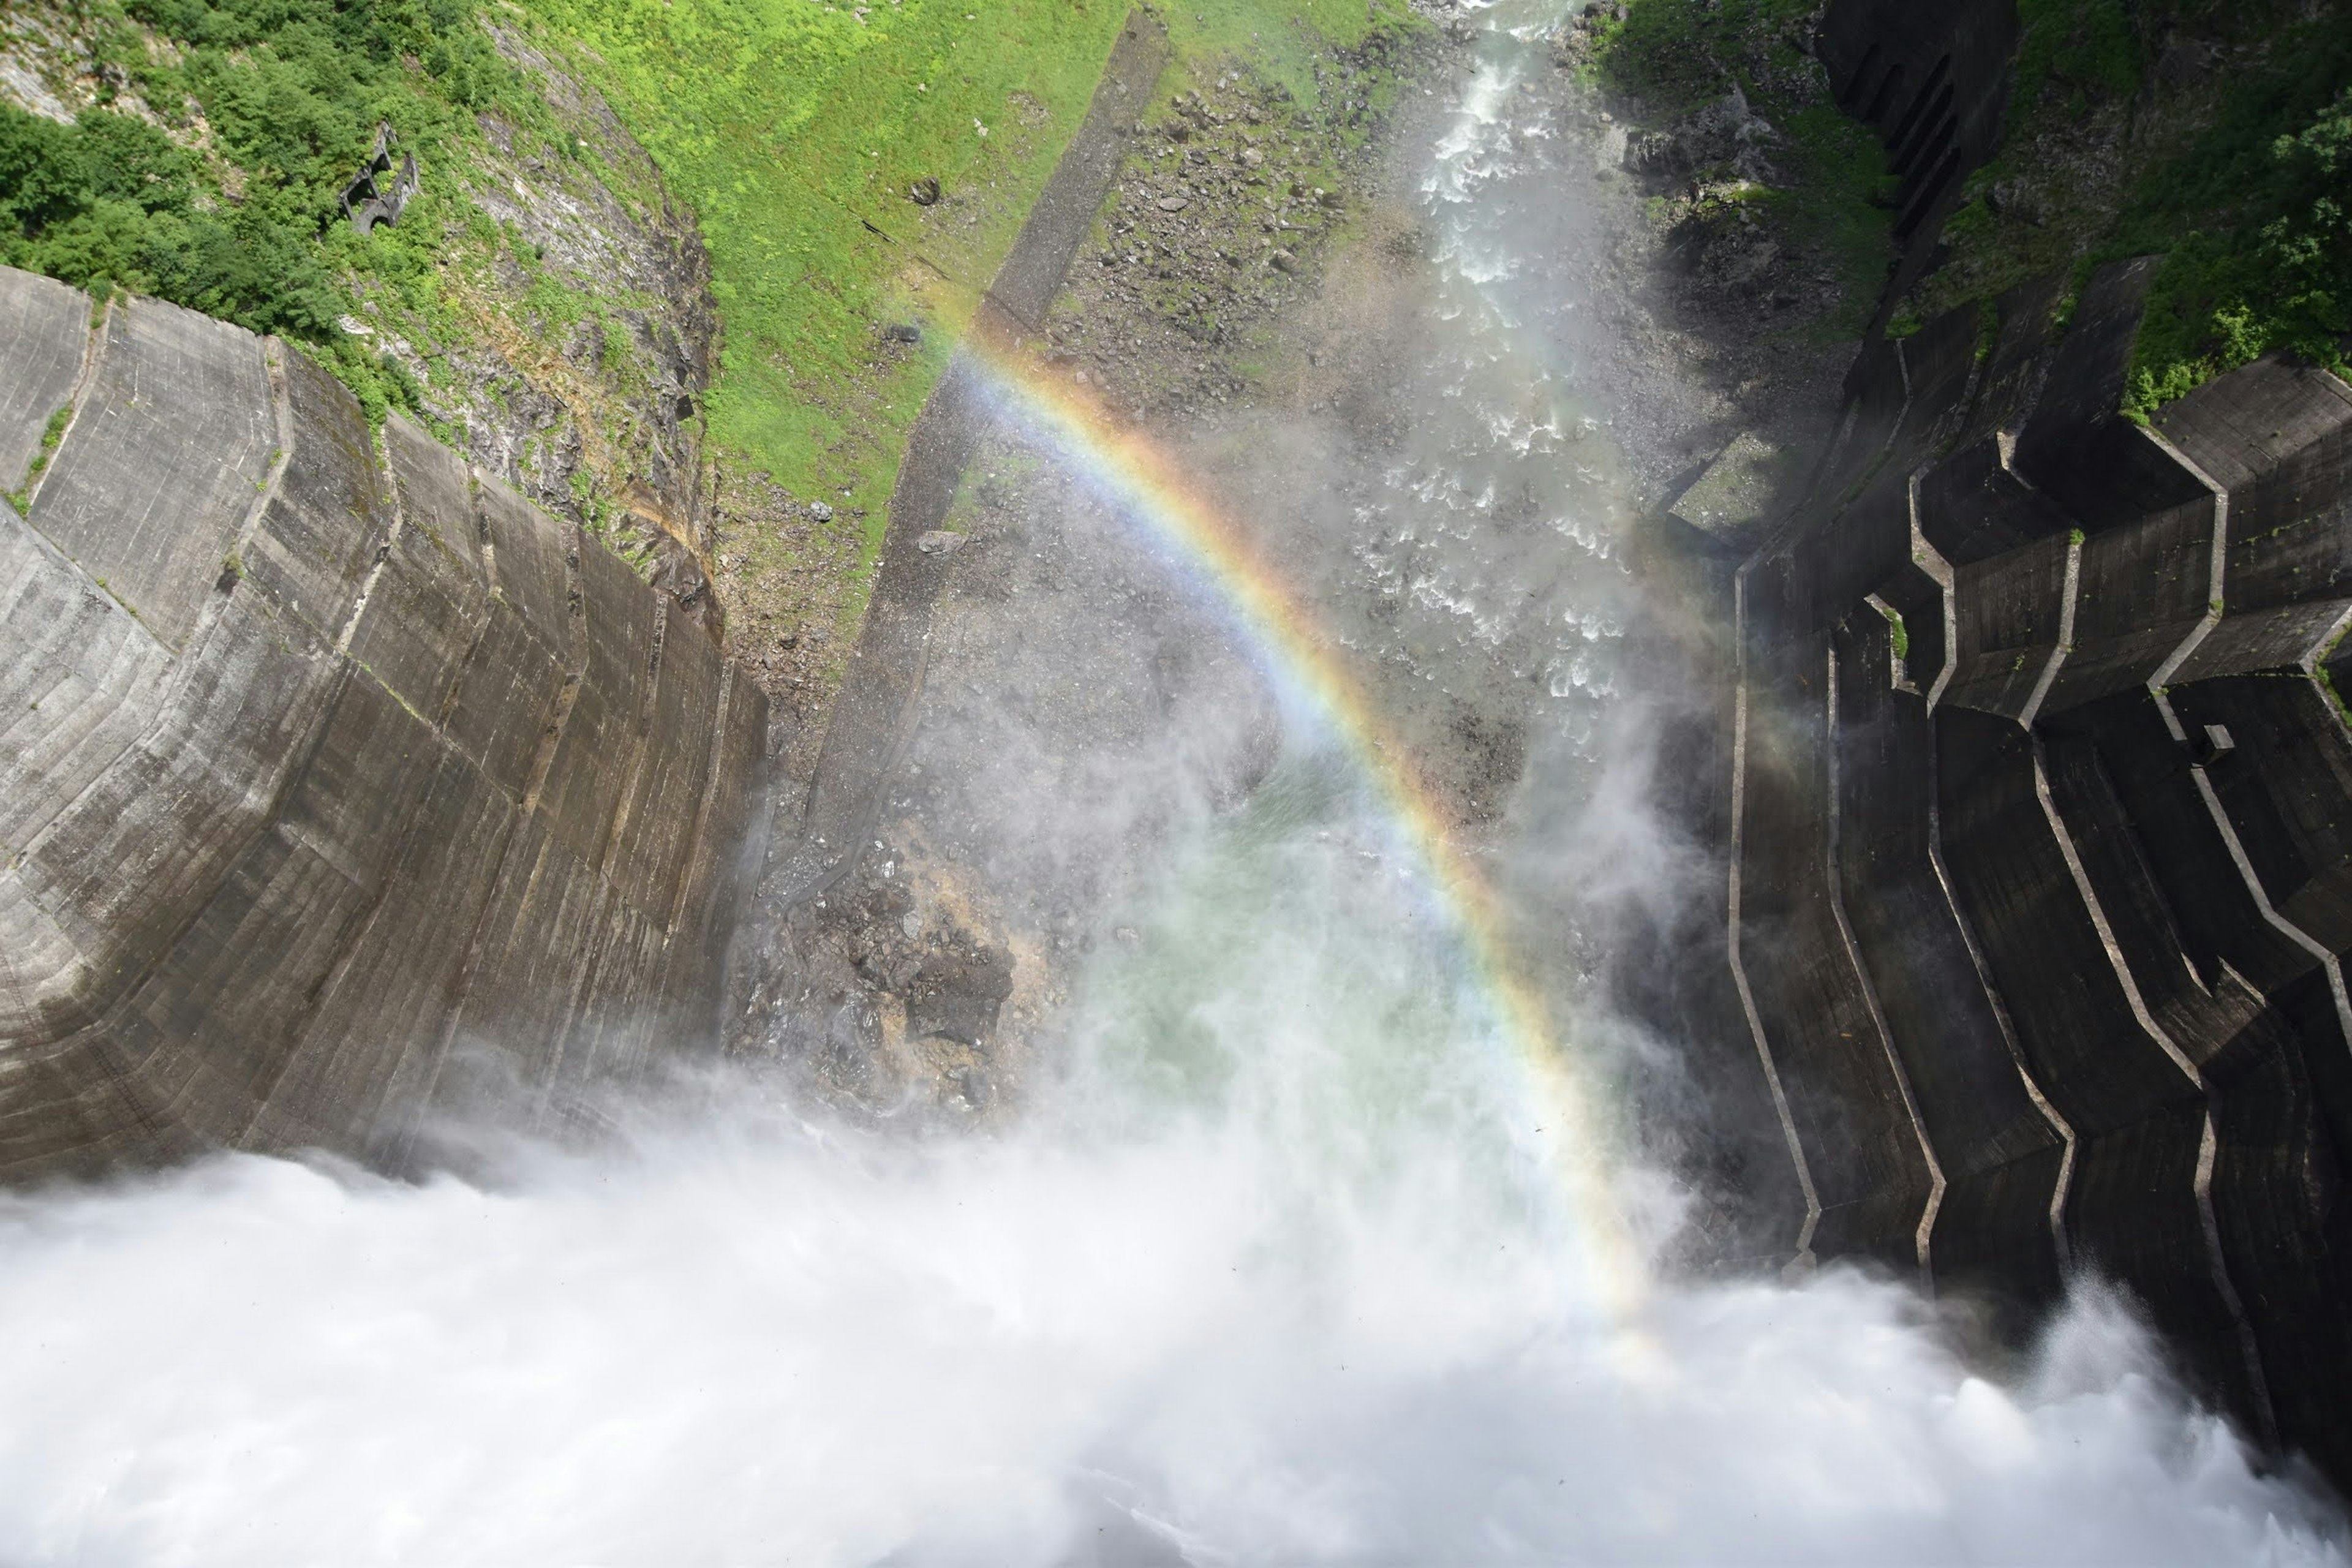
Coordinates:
339 787
2095 855
2080 855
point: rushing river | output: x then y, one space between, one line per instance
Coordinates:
1280 1268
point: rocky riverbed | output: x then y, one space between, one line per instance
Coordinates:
1460 459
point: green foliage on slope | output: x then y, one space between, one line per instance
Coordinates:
2261 251
2215 134
796 128
207 170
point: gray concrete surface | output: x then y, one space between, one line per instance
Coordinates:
177 433
357 794
46 327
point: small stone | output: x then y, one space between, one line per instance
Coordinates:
1252 158
1283 262
902 332
1732 499
924 192
1175 204
940 542
820 512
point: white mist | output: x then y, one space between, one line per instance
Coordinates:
1261 1282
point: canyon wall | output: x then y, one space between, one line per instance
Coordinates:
2039 812
341 790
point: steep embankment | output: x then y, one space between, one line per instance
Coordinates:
862 176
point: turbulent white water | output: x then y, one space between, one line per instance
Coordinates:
1268 1276
1262 1282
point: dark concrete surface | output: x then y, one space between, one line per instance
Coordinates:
2095 869
2093 849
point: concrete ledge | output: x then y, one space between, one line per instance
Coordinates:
1869 1172
1974 507
2140 591
1998 1149
2012 616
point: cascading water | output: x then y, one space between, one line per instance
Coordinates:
1277 1266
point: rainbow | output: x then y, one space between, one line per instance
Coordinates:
1148 483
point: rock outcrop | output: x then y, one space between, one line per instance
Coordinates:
340 788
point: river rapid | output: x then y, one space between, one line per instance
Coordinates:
1277 1266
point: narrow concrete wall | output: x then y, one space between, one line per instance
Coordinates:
337 786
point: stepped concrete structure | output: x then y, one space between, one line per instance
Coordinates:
339 787
2032 787
2038 811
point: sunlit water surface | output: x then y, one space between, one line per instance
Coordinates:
1271 1275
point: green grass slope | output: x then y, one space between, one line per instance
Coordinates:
795 129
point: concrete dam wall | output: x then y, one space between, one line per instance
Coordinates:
2038 811
338 786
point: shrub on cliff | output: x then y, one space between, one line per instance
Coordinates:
2280 276
110 201
207 173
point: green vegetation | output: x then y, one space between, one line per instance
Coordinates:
51 435
795 130
1898 635
2268 264
207 171
1673 57
2218 135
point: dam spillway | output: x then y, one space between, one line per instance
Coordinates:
1931 888
339 782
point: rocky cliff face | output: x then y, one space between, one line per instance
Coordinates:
2036 796
338 786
